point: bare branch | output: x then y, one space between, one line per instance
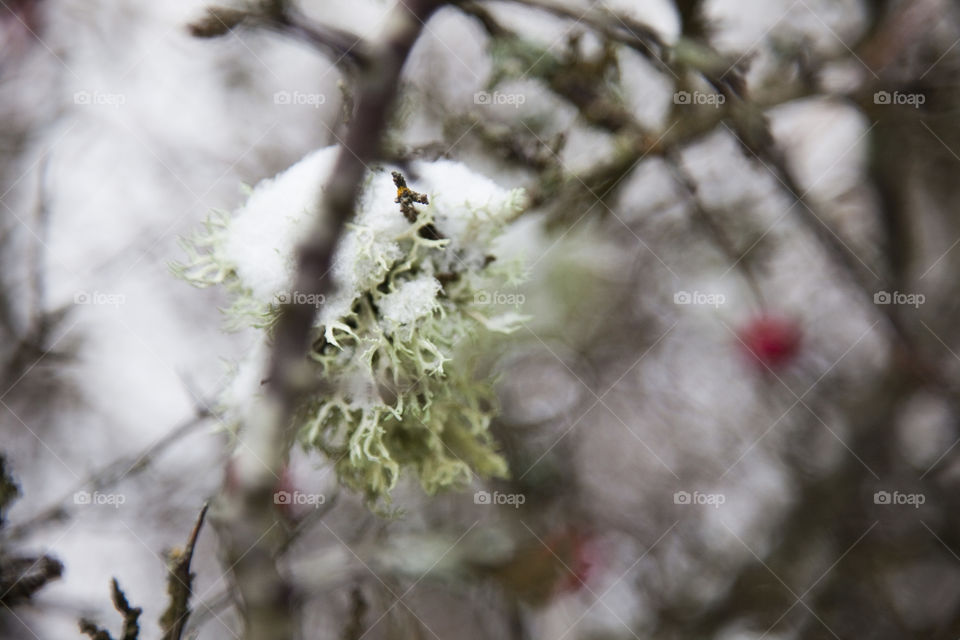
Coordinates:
131 618
180 585
244 513
108 475
346 49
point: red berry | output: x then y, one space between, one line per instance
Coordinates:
577 555
583 566
771 341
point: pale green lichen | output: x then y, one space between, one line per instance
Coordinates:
398 339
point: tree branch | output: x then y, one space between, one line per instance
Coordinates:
347 50
180 585
108 476
244 513
131 617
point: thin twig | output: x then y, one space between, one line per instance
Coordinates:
131 617
180 585
347 51
107 476
715 230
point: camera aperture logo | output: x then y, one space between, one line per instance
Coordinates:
696 498
699 298
899 499
899 98
497 98
715 100
498 297
99 499
98 98
512 499
299 498
98 298
911 299
299 98
297 297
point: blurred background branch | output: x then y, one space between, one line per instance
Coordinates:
793 164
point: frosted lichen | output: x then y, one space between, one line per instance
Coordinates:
397 339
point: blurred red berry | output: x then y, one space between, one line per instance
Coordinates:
580 563
771 341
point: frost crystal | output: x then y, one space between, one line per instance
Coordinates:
395 337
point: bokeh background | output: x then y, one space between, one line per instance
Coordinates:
733 413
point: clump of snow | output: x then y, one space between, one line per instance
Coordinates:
265 230
470 209
413 300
